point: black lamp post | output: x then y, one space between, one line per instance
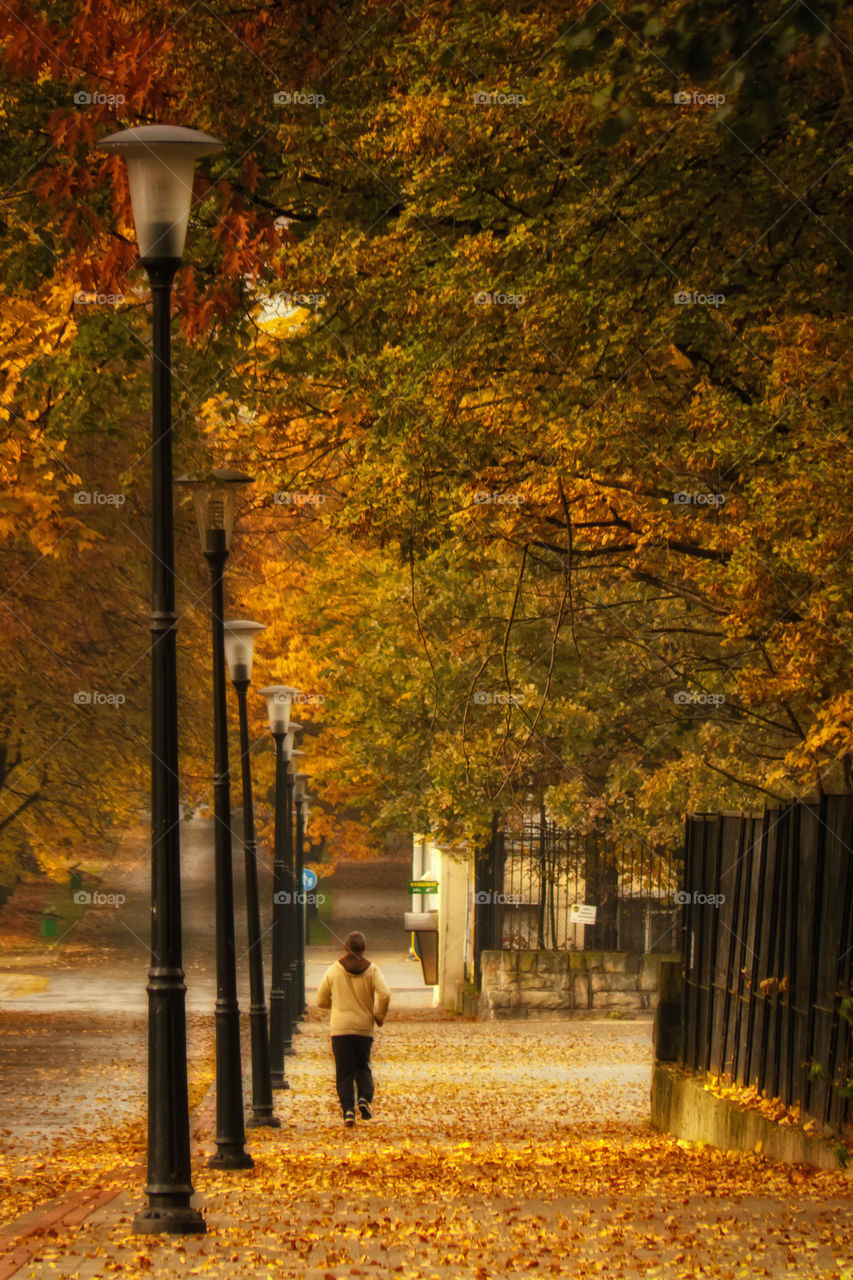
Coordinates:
279 698
306 815
295 904
160 167
239 650
281 1019
214 509
300 798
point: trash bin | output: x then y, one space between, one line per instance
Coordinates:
424 925
49 921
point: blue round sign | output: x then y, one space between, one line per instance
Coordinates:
309 879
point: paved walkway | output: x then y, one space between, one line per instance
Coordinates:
496 1149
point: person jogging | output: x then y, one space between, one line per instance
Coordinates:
356 992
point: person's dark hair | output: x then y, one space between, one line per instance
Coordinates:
355 942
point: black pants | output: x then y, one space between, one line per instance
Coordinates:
352 1069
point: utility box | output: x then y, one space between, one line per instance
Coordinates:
49 921
424 925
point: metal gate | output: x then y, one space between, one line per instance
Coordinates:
528 878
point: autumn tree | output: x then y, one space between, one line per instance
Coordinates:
550 306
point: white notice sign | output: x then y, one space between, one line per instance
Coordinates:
580 913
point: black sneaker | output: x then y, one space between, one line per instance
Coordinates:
364 1109
349 1119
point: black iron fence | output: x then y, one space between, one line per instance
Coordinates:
767 948
527 881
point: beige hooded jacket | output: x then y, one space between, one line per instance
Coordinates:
356 992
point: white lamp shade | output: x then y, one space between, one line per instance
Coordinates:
214 513
299 783
306 813
161 163
214 499
292 731
240 648
279 698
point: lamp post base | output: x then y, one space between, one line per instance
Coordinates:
175 1222
262 1121
279 1082
231 1158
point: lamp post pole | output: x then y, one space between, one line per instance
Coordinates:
278 706
214 499
230 1131
279 1006
169 1186
288 903
161 162
300 915
292 928
306 916
239 639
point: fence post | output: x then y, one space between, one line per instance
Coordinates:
742 924
794 858
484 911
700 874
816 932
543 882
771 999
835 1107
688 998
714 943
755 994
733 937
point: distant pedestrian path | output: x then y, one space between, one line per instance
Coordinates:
372 896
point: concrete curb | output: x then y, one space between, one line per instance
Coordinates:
682 1106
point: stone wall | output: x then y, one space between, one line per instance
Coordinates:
681 1105
568 984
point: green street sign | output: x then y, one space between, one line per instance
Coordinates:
423 886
